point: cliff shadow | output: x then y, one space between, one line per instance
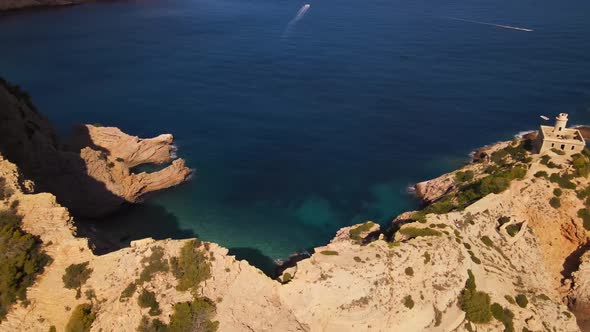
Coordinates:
572 262
256 258
138 221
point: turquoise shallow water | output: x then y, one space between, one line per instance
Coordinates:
296 132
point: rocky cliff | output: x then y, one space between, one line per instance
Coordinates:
500 247
90 174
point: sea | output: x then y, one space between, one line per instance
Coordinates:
299 120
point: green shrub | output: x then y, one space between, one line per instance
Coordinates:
545 159
464 176
355 233
541 174
408 302
557 192
128 291
543 297
476 306
413 232
503 220
555 202
510 299
513 229
21 260
521 300
585 215
470 283
147 325
193 316
287 277
153 264
409 271
357 259
52 328
564 180
76 275
491 169
119 159
581 165
426 258
329 252
487 241
503 315
81 319
393 244
147 299
191 267
467 245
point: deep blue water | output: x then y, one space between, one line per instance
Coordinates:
295 132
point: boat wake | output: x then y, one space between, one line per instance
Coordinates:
296 19
491 24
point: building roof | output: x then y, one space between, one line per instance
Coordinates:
566 135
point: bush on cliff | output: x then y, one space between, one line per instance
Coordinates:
413 232
147 325
194 316
21 260
153 264
147 299
76 276
191 267
474 303
563 180
464 176
585 215
81 319
408 302
355 233
521 300
504 315
581 165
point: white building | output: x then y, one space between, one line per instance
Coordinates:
559 137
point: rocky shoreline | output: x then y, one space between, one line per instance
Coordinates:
91 173
490 251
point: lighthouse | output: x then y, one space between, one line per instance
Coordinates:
560 123
559 137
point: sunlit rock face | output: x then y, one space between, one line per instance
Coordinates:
91 174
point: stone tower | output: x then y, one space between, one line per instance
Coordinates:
560 122
559 137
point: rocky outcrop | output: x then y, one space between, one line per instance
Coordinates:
580 293
22 4
90 175
357 282
433 189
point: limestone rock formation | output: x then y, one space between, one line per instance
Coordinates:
92 175
580 294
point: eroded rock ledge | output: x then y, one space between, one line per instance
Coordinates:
91 174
